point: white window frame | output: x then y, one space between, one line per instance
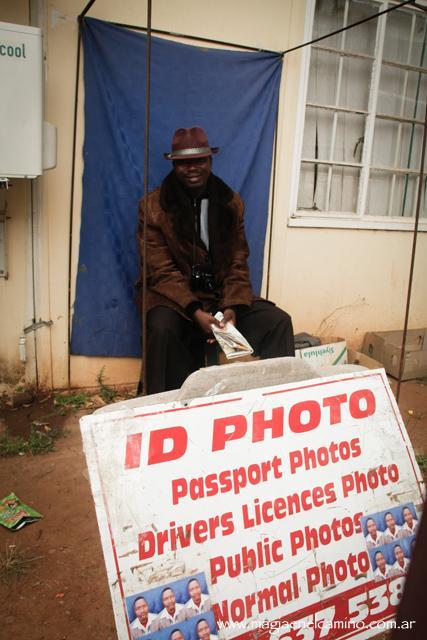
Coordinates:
319 219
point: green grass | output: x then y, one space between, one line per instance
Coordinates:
12 446
74 401
42 441
39 441
14 563
108 394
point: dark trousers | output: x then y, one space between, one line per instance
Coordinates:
176 347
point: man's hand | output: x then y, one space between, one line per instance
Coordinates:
205 321
229 316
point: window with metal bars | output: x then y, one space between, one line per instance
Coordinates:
364 116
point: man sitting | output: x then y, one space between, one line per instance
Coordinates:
196 254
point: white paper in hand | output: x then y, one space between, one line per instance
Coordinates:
230 340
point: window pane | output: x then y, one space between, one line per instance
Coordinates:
312 187
318 122
344 188
390 92
329 16
402 92
378 193
322 81
415 99
397 194
404 196
355 83
385 141
397 36
349 137
361 39
409 156
418 52
397 144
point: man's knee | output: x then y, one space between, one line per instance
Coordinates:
283 317
274 315
273 335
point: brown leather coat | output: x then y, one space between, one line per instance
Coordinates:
172 248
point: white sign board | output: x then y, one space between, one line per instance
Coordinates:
289 506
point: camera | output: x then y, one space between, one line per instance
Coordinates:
202 280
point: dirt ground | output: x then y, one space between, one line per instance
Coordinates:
64 595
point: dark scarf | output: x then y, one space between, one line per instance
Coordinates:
222 217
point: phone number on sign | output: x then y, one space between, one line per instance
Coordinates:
367 609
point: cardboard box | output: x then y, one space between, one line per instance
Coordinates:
386 347
356 357
332 350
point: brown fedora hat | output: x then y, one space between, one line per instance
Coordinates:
190 143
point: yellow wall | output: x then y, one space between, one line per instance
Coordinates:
342 282
13 290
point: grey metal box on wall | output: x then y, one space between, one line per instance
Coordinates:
21 104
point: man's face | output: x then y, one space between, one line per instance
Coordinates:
194 591
141 609
390 521
398 554
203 630
169 600
177 635
193 173
407 514
380 560
371 526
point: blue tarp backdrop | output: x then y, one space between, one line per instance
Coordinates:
232 94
